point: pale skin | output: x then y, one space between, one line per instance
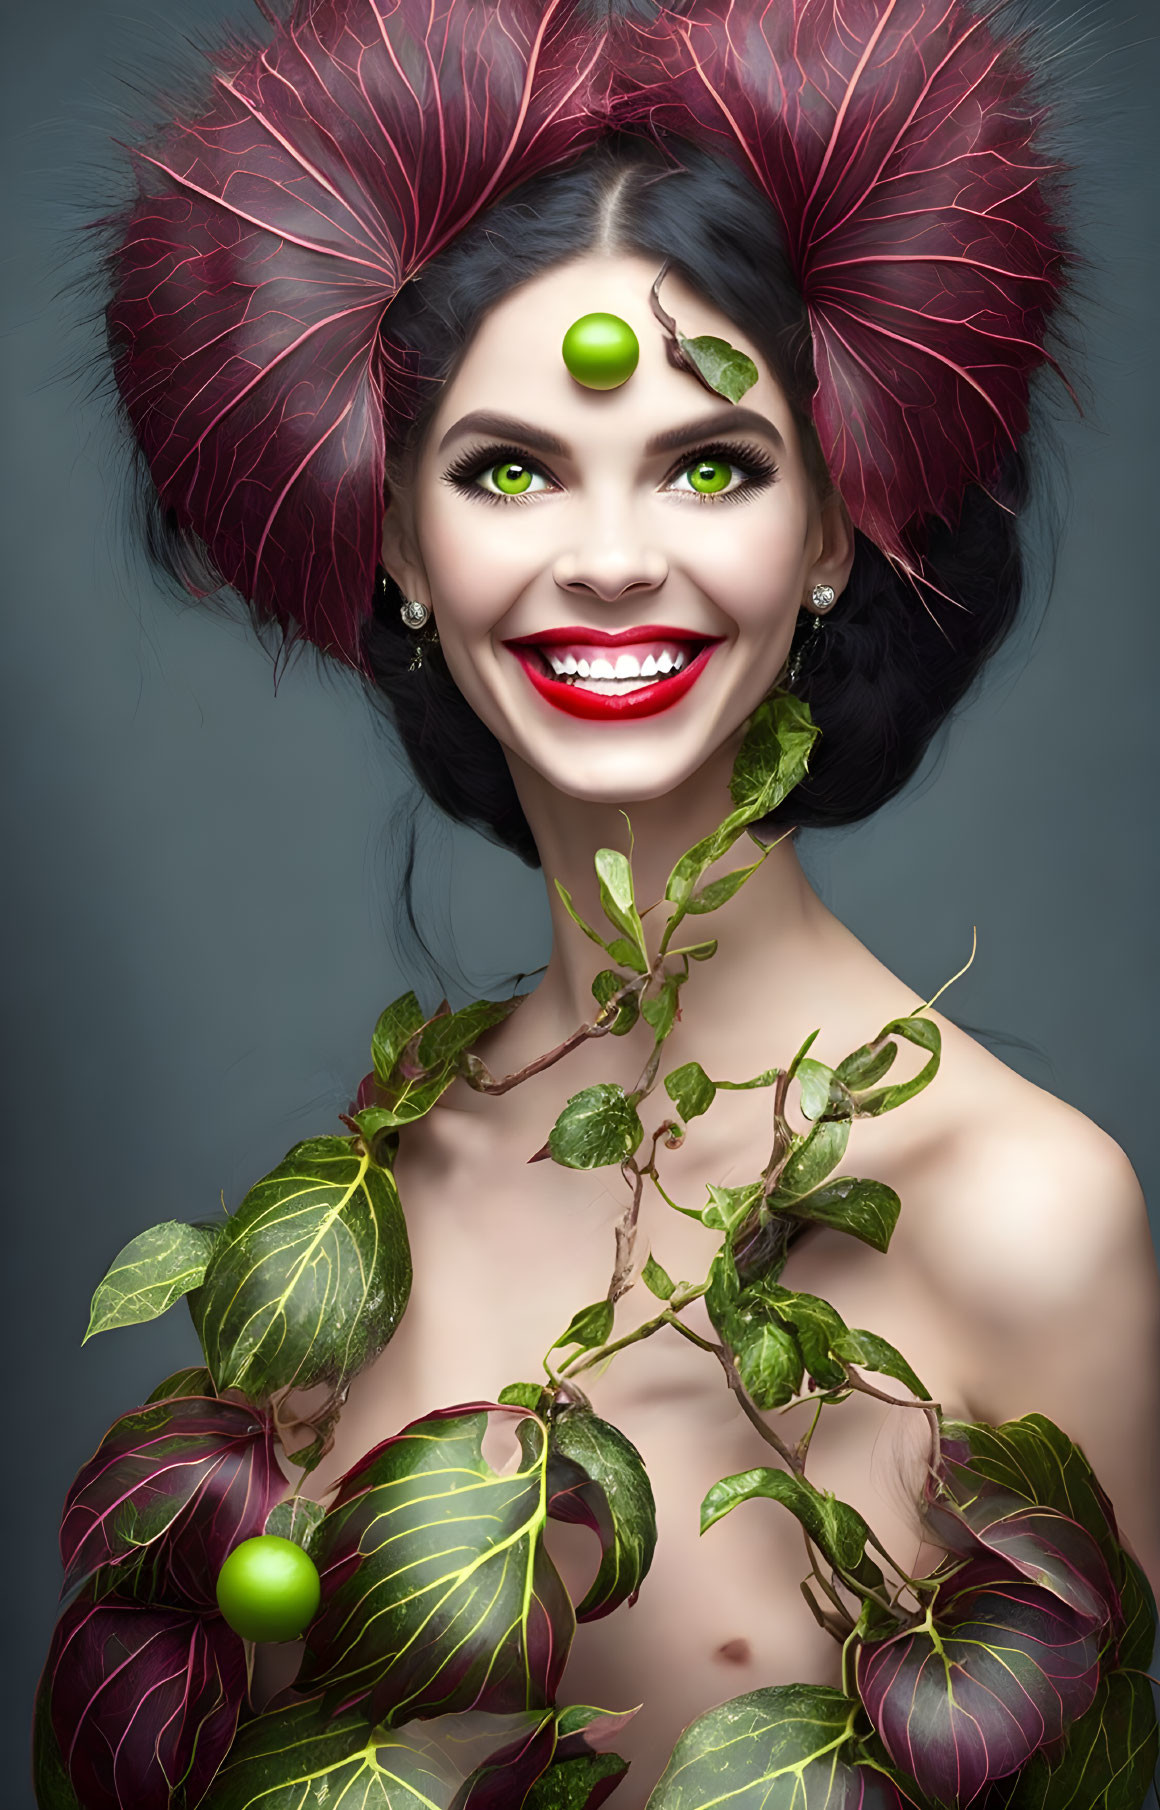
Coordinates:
1023 1231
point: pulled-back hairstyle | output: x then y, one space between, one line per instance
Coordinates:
895 655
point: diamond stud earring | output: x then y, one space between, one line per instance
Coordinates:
822 597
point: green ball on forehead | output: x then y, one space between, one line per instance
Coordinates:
601 351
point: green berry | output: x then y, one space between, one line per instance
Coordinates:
268 1589
601 351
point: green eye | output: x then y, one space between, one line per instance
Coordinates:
510 478
709 475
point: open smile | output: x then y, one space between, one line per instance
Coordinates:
589 673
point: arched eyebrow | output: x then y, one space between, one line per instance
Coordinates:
732 420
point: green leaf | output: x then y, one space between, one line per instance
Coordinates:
1138 1636
728 1206
438 1594
869 1352
926 1034
811 1159
195 1379
621 950
724 1289
722 366
295 1518
836 1529
1107 1761
296 1756
867 1210
814 1321
700 952
660 1011
525 1395
815 1080
719 892
773 757
593 936
310 1276
690 1090
657 1280
866 1065
607 984
397 1024
613 1463
617 899
768 1359
789 1747
588 1328
599 1125
152 1272
428 1063
574 1784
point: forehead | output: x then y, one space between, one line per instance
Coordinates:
514 363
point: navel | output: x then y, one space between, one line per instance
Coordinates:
735 1652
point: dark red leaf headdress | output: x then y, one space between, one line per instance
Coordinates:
270 234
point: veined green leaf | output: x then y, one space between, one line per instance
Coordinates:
396 1025
867 1210
811 1159
728 1206
599 1125
626 952
295 1518
719 892
310 1276
836 1529
437 1593
869 1352
690 1090
816 1324
195 1379
588 1328
722 366
768 1359
297 1757
790 1747
773 756
628 1534
577 1783
428 1063
152 1272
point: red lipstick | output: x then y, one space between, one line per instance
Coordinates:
649 640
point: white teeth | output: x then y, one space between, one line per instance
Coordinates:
648 668
678 662
627 667
563 668
665 662
582 669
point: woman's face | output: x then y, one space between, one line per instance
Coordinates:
615 575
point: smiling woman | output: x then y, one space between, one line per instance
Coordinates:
583 602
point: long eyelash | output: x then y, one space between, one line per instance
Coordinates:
749 458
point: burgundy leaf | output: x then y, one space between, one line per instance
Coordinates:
143 1698
254 270
189 1477
1004 1669
899 144
972 1517
506 1778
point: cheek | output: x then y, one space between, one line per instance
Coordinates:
754 570
474 565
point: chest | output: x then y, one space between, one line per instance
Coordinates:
505 1252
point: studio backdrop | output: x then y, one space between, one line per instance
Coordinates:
201 899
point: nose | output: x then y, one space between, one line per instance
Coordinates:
611 561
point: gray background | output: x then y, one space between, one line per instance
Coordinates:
200 880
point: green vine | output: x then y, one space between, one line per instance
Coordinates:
1023 1656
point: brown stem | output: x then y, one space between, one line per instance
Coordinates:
483 1083
626 1232
864 1388
782 1135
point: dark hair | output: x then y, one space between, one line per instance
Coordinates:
894 656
